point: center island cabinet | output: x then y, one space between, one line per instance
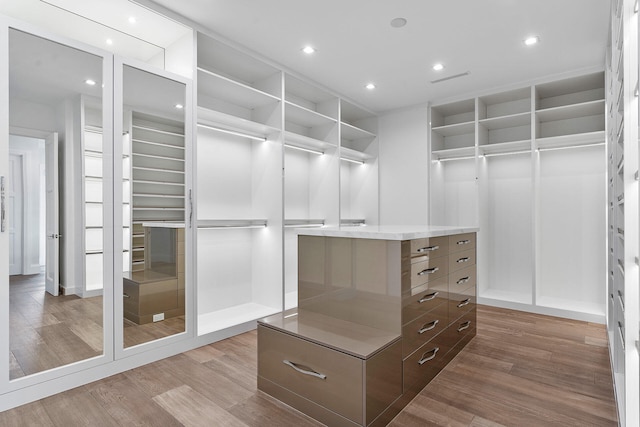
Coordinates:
381 310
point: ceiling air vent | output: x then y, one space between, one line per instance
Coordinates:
455 76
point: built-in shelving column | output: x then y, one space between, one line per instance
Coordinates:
569 164
239 187
453 192
359 166
311 165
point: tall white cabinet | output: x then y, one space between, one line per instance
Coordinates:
527 166
623 296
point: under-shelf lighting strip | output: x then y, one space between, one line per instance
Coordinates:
232 132
448 159
570 147
510 153
359 162
308 150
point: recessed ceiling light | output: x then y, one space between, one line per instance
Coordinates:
530 41
398 22
90 82
308 50
132 20
179 106
370 86
438 67
109 42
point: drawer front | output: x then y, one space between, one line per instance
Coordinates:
462 279
424 328
424 298
462 242
462 259
432 247
461 302
424 363
158 297
463 326
426 271
327 377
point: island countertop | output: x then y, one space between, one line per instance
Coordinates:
387 232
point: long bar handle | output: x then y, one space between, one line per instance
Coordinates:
426 358
463 242
463 259
464 302
3 217
428 271
463 280
464 326
305 370
429 326
428 297
428 249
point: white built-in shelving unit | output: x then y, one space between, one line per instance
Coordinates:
238 187
622 295
358 166
276 148
156 189
526 166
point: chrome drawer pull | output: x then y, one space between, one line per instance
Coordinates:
428 271
428 297
428 326
305 370
464 326
463 242
428 249
465 259
463 280
125 296
463 303
426 358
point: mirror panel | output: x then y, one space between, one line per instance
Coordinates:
56 214
153 200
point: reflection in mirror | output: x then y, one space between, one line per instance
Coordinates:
153 206
56 307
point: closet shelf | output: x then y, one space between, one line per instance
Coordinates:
351 132
571 111
350 154
157 144
453 153
231 223
506 147
143 181
305 117
232 123
455 129
572 140
155 130
305 142
502 122
223 88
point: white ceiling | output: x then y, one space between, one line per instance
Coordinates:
356 44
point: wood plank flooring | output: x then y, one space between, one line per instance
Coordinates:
48 332
520 370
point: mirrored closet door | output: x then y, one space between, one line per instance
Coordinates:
56 207
153 164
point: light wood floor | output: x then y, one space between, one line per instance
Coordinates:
47 331
520 370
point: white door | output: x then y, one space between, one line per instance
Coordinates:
52 270
14 211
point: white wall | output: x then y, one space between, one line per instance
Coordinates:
404 181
